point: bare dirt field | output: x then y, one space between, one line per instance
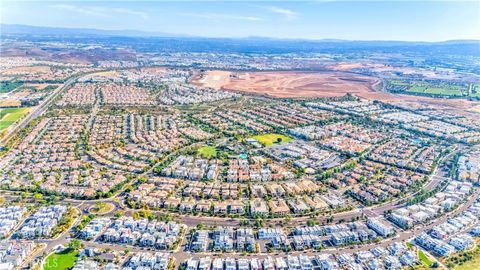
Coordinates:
475 109
215 79
456 103
10 103
110 73
319 84
41 86
298 84
28 69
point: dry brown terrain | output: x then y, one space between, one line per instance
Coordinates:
10 103
455 103
215 79
319 84
40 86
27 69
299 84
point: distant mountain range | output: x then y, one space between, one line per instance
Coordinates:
166 42
20 29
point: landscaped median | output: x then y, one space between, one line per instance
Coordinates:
101 208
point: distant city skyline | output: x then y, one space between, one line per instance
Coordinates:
350 20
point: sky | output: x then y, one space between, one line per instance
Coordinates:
321 19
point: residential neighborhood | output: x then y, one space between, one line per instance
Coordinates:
163 152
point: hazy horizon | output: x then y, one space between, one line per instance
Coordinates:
429 21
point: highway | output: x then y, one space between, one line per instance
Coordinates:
37 111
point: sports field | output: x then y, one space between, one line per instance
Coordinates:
442 91
427 88
8 116
272 138
208 151
61 261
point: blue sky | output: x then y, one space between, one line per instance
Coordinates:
353 20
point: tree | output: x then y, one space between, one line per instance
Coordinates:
311 222
74 244
118 214
37 196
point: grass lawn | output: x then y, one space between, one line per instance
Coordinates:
409 245
8 116
465 260
423 258
208 151
399 83
476 93
271 138
61 261
444 91
101 208
470 265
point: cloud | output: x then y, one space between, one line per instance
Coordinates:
288 14
99 11
221 16
140 14
93 11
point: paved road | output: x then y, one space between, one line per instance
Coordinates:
83 206
191 221
181 255
37 111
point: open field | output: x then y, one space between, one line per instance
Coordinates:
61 261
299 84
10 103
436 91
111 73
42 86
271 138
215 79
475 109
460 104
470 265
465 260
23 70
426 88
8 116
208 151
319 84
